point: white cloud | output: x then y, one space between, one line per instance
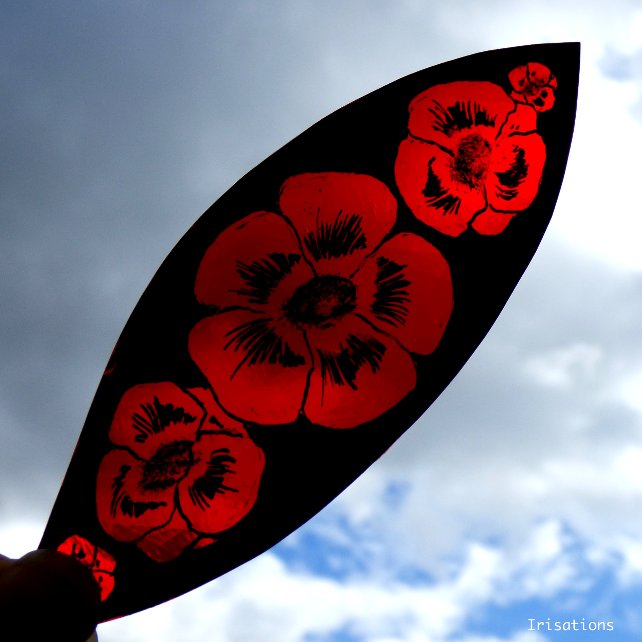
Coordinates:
563 367
628 560
262 600
521 636
597 211
265 599
629 389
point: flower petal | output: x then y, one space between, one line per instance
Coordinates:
515 172
169 541
99 562
358 377
490 222
222 486
541 98
205 541
523 120
106 583
425 179
80 549
89 554
518 78
151 415
340 218
534 84
216 418
440 114
126 510
249 261
405 289
540 75
257 368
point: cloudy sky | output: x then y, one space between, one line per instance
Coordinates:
517 496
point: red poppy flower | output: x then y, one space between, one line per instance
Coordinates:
316 312
533 84
182 471
100 562
472 158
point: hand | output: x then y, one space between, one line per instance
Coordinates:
46 595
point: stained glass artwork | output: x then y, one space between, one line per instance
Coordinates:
309 317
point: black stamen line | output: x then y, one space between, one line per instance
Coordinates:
143 424
510 180
437 196
333 240
264 275
157 417
392 296
261 344
120 498
204 489
342 368
461 115
132 508
117 488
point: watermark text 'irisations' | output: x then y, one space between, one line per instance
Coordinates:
569 625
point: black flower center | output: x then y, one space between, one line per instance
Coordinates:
321 301
168 466
471 160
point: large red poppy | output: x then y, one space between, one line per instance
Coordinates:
317 310
472 158
182 471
